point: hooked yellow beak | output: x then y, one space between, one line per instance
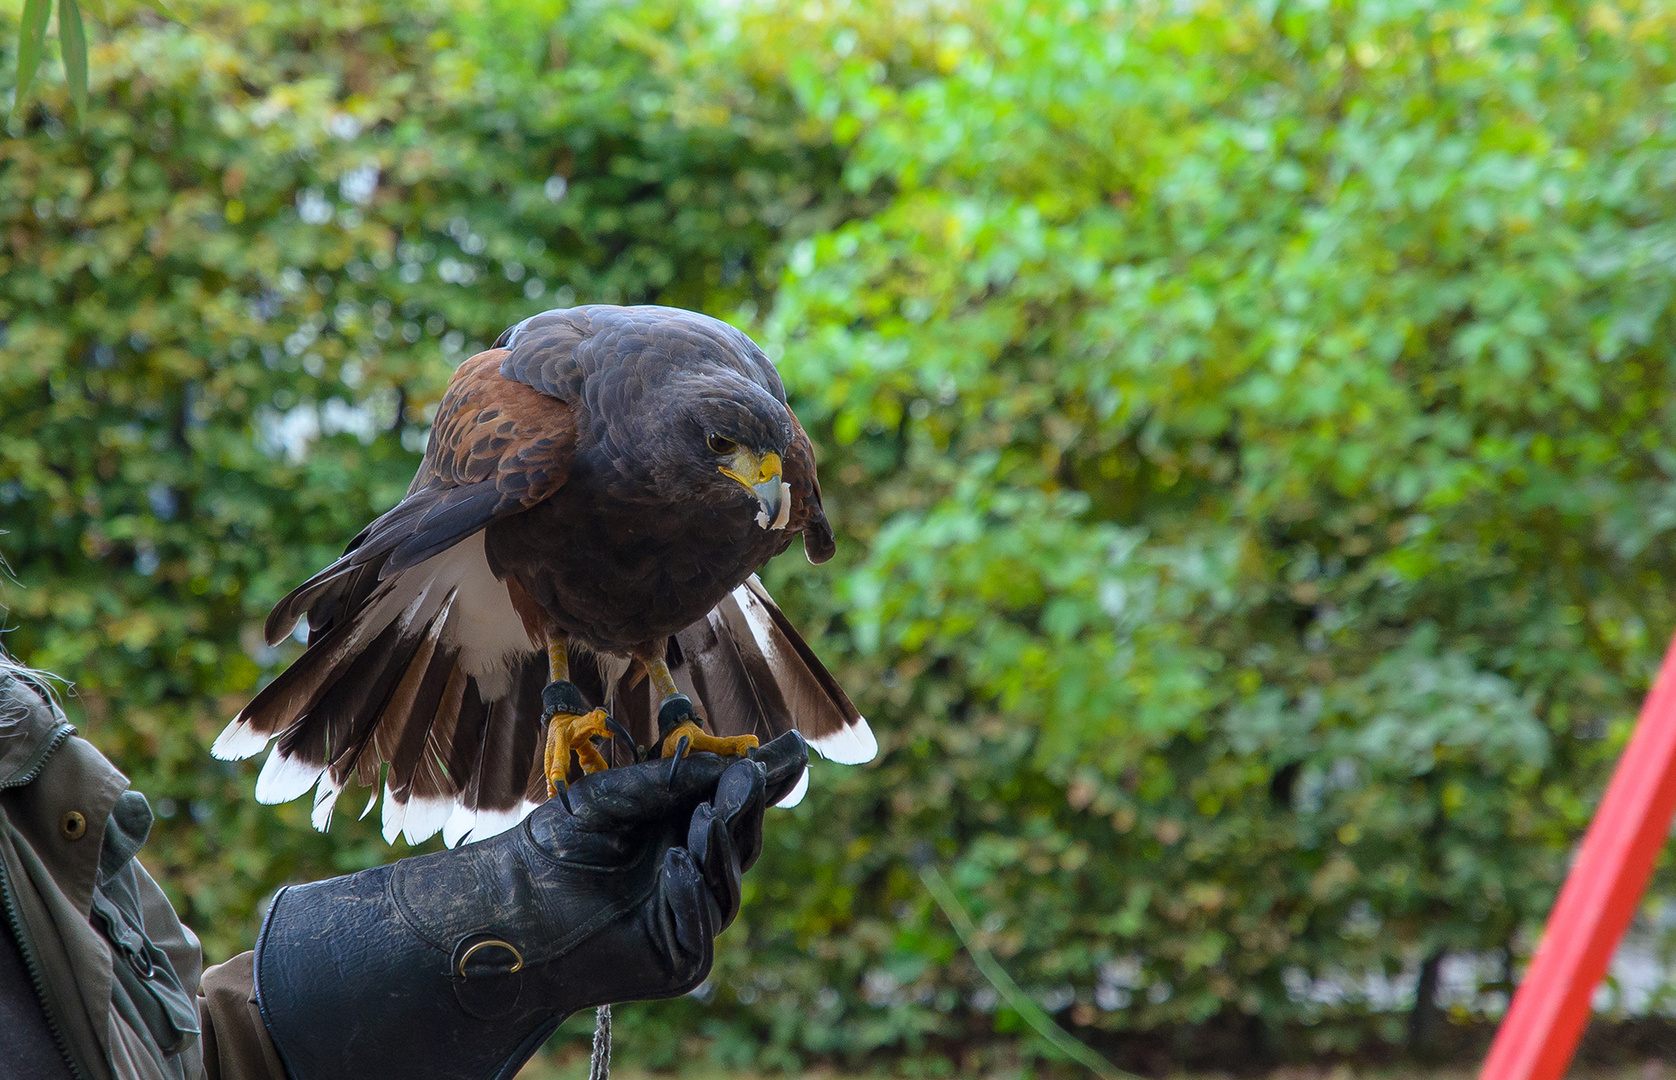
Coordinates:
761 477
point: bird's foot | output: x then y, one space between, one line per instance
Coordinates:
678 721
699 742
568 734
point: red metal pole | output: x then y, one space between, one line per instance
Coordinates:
1546 1019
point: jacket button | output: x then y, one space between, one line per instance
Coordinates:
74 826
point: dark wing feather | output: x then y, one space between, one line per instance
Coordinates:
726 684
814 697
749 672
631 705
376 683
451 516
508 747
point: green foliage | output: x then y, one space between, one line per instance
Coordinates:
1250 426
72 44
1247 426
31 38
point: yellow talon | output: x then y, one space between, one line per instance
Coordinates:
567 734
699 742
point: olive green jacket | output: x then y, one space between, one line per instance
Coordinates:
116 973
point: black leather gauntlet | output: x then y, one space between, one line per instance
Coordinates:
460 964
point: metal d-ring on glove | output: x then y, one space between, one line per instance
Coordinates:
460 964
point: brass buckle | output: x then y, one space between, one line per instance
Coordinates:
518 957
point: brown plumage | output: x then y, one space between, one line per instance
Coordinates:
582 486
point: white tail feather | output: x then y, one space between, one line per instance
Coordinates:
853 745
284 778
424 818
394 814
325 797
237 741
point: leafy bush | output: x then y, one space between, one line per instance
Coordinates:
1255 424
1248 427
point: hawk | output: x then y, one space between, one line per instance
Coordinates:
580 543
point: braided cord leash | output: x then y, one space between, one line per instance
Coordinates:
599 1066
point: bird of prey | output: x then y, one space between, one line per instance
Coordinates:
578 547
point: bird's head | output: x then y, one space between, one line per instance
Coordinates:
738 440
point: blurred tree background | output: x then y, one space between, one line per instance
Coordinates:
1247 424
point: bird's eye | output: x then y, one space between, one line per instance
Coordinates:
721 445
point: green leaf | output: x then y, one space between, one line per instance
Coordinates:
97 9
33 37
1032 1014
72 39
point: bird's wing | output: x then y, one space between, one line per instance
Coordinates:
748 672
416 654
497 446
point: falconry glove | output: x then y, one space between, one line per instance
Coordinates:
460 964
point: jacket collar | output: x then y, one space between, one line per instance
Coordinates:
31 728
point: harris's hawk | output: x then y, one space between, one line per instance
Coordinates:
581 541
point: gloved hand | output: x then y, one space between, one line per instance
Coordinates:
460 964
